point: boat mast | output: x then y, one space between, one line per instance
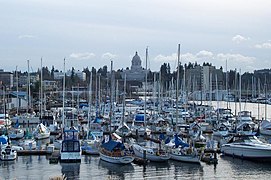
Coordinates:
111 98
240 90
28 77
41 90
177 85
123 101
265 94
227 84
145 89
17 90
259 91
89 99
63 95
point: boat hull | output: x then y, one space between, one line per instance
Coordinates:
8 157
70 157
117 160
185 158
139 152
262 154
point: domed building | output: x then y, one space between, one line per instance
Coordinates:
136 73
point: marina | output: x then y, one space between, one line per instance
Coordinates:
140 90
214 164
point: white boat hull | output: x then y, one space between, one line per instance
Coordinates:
247 152
117 160
139 152
70 156
8 155
185 158
28 144
42 136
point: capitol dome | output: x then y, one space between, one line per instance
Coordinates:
136 61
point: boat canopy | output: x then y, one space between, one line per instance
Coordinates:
139 117
110 145
3 139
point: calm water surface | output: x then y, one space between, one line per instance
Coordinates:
91 167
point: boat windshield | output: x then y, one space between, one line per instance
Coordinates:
249 139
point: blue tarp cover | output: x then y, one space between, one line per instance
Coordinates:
110 145
139 117
179 142
3 139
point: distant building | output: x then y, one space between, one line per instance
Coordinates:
49 85
17 100
6 78
136 73
204 81
79 74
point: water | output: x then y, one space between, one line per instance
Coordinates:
257 110
91 167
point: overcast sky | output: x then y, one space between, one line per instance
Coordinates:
91 33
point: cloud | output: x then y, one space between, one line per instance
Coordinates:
238 38
109 55
26 36
84 56
266 45
236 58
204 54
161 58
219 59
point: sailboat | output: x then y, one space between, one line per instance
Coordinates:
41 132
8 154
16 132
114 151
265 125
90 145
152 153
181 151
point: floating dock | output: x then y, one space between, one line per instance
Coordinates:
54 158
32 152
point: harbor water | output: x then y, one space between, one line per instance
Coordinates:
91 167
257 110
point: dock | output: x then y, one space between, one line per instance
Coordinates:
54 158
32 152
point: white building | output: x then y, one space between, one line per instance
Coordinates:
136 73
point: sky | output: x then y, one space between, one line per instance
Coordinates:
92 33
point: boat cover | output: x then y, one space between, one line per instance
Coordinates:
110 145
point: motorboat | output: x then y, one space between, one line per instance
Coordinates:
222 130
70 147
244 116
8 154
246 128
247 147
5 120
265 127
